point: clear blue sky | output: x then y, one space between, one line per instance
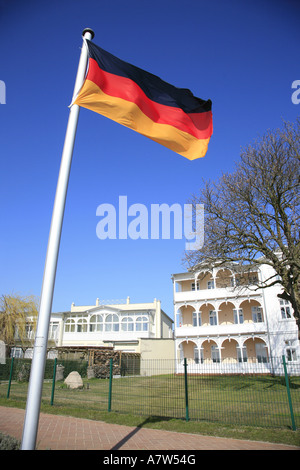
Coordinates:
243 55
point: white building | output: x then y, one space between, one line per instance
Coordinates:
222 319
122 326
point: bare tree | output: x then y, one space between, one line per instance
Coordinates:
252 215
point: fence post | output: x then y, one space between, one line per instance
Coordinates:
10 376
186 391
289 393
110 383
53 381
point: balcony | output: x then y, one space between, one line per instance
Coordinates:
229 329
210 294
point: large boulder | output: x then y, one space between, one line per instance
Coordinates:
74 380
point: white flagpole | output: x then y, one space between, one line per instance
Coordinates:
41 339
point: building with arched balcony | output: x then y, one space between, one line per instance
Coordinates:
223 318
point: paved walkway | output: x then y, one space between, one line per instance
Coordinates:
68 433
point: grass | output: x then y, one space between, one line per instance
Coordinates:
242 407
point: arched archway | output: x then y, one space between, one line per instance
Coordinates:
224 278
205 280
226 313
252 311
210 351
185 316
187 350
257 350
230 351
208 314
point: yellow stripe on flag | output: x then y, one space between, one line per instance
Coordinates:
130 115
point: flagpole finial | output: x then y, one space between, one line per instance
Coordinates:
88 30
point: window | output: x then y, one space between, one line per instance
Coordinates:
181 353
257 314
215 354
112 323
238 315
291 350
193 286
17 353
198 358
285 309
141 324
29 330
53 331
178 320
211 284
70 325
127 324
96 323
195 315
196 355
213 317
82 325
261 352
253 279
241 354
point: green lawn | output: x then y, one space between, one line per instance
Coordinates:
244 407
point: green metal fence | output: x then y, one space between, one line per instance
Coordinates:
221 393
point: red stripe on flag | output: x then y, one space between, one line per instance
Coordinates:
197 124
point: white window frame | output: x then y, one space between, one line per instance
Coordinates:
127 324
257 314
53 330
198 358
70 325
215 353
290 350
30 331
238 316
142 323
242 354
16 353
285 308
196 317
112 323
96 323
213 320
261 353
82 325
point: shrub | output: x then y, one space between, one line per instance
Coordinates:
23 372
9 442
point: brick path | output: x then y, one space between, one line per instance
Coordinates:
68 433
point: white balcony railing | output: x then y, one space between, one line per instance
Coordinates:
242 328
217 293
106 336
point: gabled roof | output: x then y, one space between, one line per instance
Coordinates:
100 308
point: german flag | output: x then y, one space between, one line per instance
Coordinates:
137 99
